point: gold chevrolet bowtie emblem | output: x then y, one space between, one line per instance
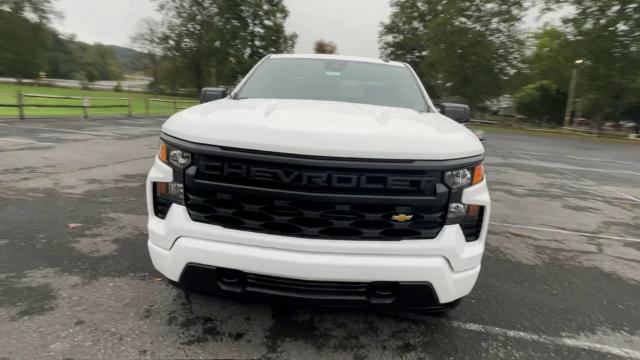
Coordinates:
401 217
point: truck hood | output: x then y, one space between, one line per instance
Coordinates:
324 128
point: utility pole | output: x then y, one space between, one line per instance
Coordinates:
572 93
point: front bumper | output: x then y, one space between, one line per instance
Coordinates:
447 263
363 295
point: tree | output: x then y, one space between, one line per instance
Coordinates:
546 76
30 46
267 33
146 39
42 10
553 57
325 47
64 57
216 41
463 48
24 45
100 63
606 34
542 101
189 36
24 36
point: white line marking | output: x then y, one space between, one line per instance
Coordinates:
154 129
622 194
536 153
533 337
574 175
538 228
25 141
61 130
550 340
607 171
609 161
560 166
602 160
614 183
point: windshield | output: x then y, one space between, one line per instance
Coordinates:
335 80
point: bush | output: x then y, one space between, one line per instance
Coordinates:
541 101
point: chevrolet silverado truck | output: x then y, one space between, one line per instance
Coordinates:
322 179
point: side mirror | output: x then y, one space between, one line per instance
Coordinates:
458 112
212 94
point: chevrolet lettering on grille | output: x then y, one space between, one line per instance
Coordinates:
314 178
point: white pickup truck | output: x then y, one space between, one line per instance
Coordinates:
322 179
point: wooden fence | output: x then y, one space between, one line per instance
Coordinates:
85 103
91 102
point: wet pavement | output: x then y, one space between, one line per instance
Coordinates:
560 277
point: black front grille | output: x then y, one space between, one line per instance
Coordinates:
312 197
314 219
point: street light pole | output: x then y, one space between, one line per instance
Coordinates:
572 93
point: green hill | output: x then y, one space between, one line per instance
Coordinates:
131 61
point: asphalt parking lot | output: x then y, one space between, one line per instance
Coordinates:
560 278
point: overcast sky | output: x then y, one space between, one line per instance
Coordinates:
352 24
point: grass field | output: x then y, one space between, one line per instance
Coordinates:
8 95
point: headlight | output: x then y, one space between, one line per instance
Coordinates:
458 180
165 193
462 178
176 158
169 193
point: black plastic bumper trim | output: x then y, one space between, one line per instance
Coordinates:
263 288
